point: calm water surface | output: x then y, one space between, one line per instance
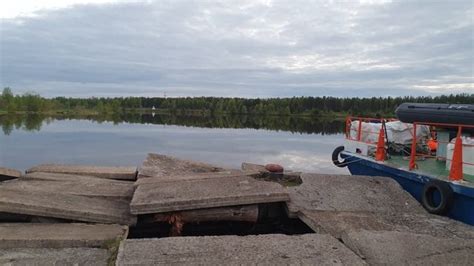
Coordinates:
303 145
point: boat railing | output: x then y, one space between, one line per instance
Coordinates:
359 131
356 132
456 172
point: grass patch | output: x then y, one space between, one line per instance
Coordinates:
112 245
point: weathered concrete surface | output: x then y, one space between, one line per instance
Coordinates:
351 193
89 189
48 256
8 173
65 206
379 221
403 248
204 193
63 235
311 249
44 176
246 213
105 189
339 223
220 174
254 167
110 172
157 165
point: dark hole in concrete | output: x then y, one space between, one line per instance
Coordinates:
272 220
23 218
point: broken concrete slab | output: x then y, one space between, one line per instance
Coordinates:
102 189
351 193
204 193
49 256
403 248
110 172
62 235
8 173
65 206
285 178
339 223
246 213
157 165
308 249
44 176
220 174
254 167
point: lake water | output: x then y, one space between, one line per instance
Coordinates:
297 144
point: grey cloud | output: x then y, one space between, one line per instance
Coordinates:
250 49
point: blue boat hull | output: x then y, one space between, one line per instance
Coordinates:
413 183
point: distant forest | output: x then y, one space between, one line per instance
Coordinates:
294 124
308 106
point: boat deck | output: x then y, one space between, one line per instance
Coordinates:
428 166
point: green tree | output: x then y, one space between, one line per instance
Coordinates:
7 100
33 102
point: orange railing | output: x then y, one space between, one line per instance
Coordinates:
456 170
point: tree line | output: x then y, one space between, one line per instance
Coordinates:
294 124
312 106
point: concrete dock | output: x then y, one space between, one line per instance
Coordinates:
67 214
204 193
119 173
308 249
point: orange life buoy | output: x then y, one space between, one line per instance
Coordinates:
433 144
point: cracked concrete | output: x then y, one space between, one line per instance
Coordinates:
63 235
403 248
8 173
158 165
50 256
310 249
379 221
204 193
109 172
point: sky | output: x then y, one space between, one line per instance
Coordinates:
245 48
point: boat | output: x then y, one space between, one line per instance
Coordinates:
436 113
428 149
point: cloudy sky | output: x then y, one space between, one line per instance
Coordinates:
263 48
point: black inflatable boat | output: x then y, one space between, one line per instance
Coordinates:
459 114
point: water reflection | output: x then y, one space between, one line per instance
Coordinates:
298 144
30 122
307 125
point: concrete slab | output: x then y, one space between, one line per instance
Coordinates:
90 189
8 173
65 206
220 174
351 193
246 213
407 248
44 176
311 249
204 193
254 167
157 165
48 256
62 235
339 223
110 172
